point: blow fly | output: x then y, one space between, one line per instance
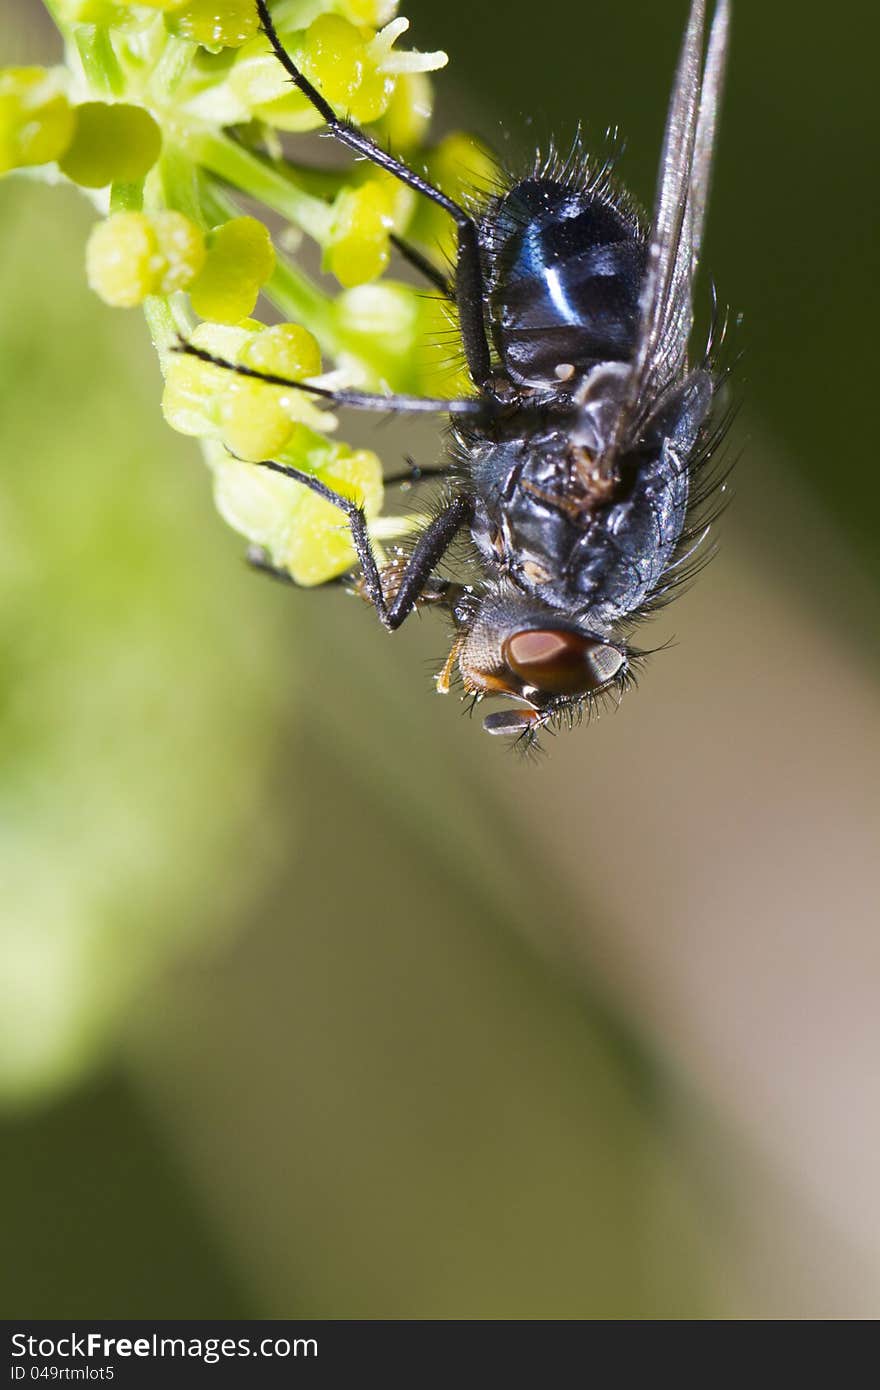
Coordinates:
573 464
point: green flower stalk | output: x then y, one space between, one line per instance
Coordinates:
170 116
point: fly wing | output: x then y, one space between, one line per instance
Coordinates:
666 303
707 125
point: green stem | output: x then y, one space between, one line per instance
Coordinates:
98 57
179 181
294 295
127 197
319 183
177 55
160 321
216 203
289 288
257 179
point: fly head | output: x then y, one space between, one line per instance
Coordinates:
549 662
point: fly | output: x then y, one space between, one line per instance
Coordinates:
572 466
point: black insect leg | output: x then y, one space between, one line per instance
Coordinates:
431 546
358 400
423 265
469 288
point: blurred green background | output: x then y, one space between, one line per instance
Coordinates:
314 1003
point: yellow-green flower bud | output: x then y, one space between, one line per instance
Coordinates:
254 423
255 502
181 251
240 260
258 418
334 58
91 11
319 542
119 259
338 59
193 389
36 119
372 12
214 23
304 534
189 399
358 248
112 143
286 349
259 82
400 201
378 325
133 254
254 419
408 114
356 69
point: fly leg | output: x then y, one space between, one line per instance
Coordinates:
358 400
258 558
415 578
423 266
469 286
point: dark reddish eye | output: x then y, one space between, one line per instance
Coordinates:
560 662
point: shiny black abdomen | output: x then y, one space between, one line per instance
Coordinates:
565 267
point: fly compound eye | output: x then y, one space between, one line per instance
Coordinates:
556 662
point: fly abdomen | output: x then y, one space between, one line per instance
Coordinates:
566 266
615 566
619 563
578 533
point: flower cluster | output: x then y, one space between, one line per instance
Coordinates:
171 116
